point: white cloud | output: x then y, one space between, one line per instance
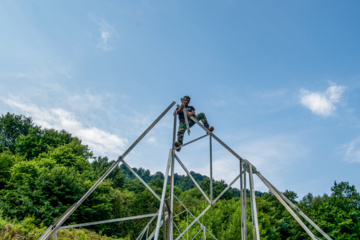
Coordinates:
99 141
322 103
352 153
152 140
106 33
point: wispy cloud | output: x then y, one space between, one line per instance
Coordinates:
152 140
99 141
322 103
106 34
352 151
39 73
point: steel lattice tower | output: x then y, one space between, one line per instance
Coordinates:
165 214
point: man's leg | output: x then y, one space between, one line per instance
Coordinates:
202 117
181 131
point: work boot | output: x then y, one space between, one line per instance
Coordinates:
177 144
211 129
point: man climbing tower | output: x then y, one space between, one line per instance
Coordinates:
190 112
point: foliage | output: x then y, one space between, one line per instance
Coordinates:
28 229
102 164
12 127
44 171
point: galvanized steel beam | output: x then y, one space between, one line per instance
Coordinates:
58 223
162 201
287 207
192 179
256 232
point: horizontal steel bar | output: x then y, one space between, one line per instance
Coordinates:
109 221
196 139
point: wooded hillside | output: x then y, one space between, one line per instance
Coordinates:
44 171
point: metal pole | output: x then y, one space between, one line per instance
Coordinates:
163 196
256 233
196 234
192 179
179 214
227 188
187 224
208 207
211 171
171 210
210 234
146 229
245 211
147 232
287 207
204 232
178 230
241 201
192 223
299 211
196 139
49 232
153 232
164 225
187 219
185 116
55 235
109 221
140 179
217 139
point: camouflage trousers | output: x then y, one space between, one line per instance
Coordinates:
182 127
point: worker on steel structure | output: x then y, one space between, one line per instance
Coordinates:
182 126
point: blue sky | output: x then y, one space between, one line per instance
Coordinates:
279 81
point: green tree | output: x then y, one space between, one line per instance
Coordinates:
102 164
11 128
7 160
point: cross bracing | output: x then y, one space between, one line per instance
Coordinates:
164 217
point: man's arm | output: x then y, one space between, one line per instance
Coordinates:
180 109
192 113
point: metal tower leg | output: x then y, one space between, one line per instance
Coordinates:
245 211
241 201
301 213
162 201
287 207
171 210
58 223
211 171
256 234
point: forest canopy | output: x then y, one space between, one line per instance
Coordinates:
44 171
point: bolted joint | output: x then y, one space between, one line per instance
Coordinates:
247 165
